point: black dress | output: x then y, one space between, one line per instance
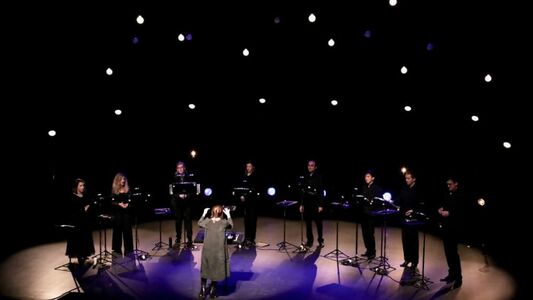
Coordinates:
80 242
122 223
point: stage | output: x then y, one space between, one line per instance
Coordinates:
259 273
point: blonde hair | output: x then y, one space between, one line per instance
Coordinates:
117 188
216 211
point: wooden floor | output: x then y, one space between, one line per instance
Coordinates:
261 273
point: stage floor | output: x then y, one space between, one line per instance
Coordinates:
260 273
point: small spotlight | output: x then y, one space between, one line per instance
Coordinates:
325 193
393 2
193 153
271 191
188 37
245 52
135 40
403 170
312 18
52 133
488 78
334 102
181 37
140 19
368 34
403 70
192 106
507 145
481 202
118 112
407 108
208 192
109 71
277 20
262 100
387 196
331 42
429 47
475 118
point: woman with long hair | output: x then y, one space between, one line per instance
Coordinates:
122 225
80 242
215 258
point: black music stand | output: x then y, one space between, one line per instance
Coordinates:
386 209
303 247
161 212
102 258
335 253
284 245
419 219
138 198
354 260
238 192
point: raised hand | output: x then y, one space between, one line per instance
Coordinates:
205 211
226 211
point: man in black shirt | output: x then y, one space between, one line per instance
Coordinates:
369 191
410 201
312 203
182 202
249 201
451 214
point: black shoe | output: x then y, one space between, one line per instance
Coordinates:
202 293
447 279
371 256
213 291
457 284
404 264
320 245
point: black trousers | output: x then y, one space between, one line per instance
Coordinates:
182 213
311 213
250 220
122 228
367 227
450 241
410 244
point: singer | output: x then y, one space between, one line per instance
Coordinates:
312 203
181 202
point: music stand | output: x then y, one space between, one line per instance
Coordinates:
283 245
387 209
354 260
336 252
103 257
420 219
138 198
160 212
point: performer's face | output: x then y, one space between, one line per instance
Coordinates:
311 166
123 181
180 169
452 186
81 187
249 168
409 180
369 179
